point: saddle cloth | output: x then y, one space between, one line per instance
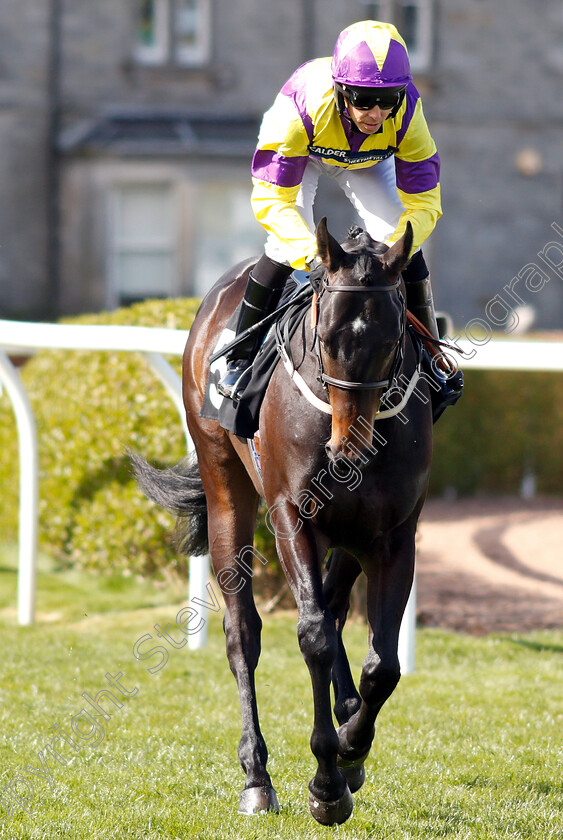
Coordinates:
242 417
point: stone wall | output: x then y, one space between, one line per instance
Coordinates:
492 98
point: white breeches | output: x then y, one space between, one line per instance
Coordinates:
371 191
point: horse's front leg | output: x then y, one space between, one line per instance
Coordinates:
232 507
330 800
342 571
390 576
242 630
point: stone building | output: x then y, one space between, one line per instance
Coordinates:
127 128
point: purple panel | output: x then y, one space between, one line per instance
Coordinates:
276 169
295 88
412 96
419 176
356 139
396 69
359 66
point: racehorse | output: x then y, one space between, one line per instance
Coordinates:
337 472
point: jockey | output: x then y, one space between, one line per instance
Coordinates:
356 118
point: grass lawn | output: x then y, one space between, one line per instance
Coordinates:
470 746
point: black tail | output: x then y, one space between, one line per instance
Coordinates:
179 490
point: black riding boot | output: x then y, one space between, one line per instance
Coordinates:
266 283
421 304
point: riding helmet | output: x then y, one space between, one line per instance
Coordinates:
369 54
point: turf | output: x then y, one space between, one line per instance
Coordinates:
469 746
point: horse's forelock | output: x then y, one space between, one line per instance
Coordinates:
367 266
367 253
358 239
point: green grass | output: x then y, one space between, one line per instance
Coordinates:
469 746
71 595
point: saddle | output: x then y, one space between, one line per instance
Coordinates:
241 417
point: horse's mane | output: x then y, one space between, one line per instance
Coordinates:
360 242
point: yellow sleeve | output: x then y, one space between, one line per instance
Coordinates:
277 170
417 165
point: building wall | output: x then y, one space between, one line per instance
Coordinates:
492 93
211 226
254 47
496 112
23 183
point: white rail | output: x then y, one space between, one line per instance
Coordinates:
17 336
511 355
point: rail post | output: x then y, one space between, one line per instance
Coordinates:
29 488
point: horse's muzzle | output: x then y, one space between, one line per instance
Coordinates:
342 461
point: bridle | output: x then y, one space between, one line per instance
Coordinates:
345 384
391 384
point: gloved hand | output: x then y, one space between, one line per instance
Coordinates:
316 273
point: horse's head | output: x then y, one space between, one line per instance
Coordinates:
361 323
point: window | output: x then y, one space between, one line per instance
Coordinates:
192 36
173 32
152 32
226 230
178 236
414 20
142 243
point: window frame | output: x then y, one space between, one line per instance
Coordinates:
421 54
118 244
200 53
158 53
168 50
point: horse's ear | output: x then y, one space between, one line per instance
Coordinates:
397 257
328 249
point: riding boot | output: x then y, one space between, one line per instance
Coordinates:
266 283
420 303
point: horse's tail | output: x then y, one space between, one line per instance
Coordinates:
178 489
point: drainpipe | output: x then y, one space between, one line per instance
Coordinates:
53 159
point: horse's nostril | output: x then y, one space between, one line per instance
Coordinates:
338 459
335 456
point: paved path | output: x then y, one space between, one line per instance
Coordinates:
491 565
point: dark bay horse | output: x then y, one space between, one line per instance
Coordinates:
342 476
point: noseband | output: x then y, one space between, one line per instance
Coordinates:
347 385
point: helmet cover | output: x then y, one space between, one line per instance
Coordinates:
371 54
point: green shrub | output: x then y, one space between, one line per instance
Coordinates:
89 407
506 425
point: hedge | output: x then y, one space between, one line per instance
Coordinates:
90 406
506 425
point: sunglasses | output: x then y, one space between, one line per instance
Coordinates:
364 99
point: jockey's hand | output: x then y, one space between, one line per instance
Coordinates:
316 273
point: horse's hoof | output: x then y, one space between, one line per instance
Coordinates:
354 772
351 768
254 800
331 813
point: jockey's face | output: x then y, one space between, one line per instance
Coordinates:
368 122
